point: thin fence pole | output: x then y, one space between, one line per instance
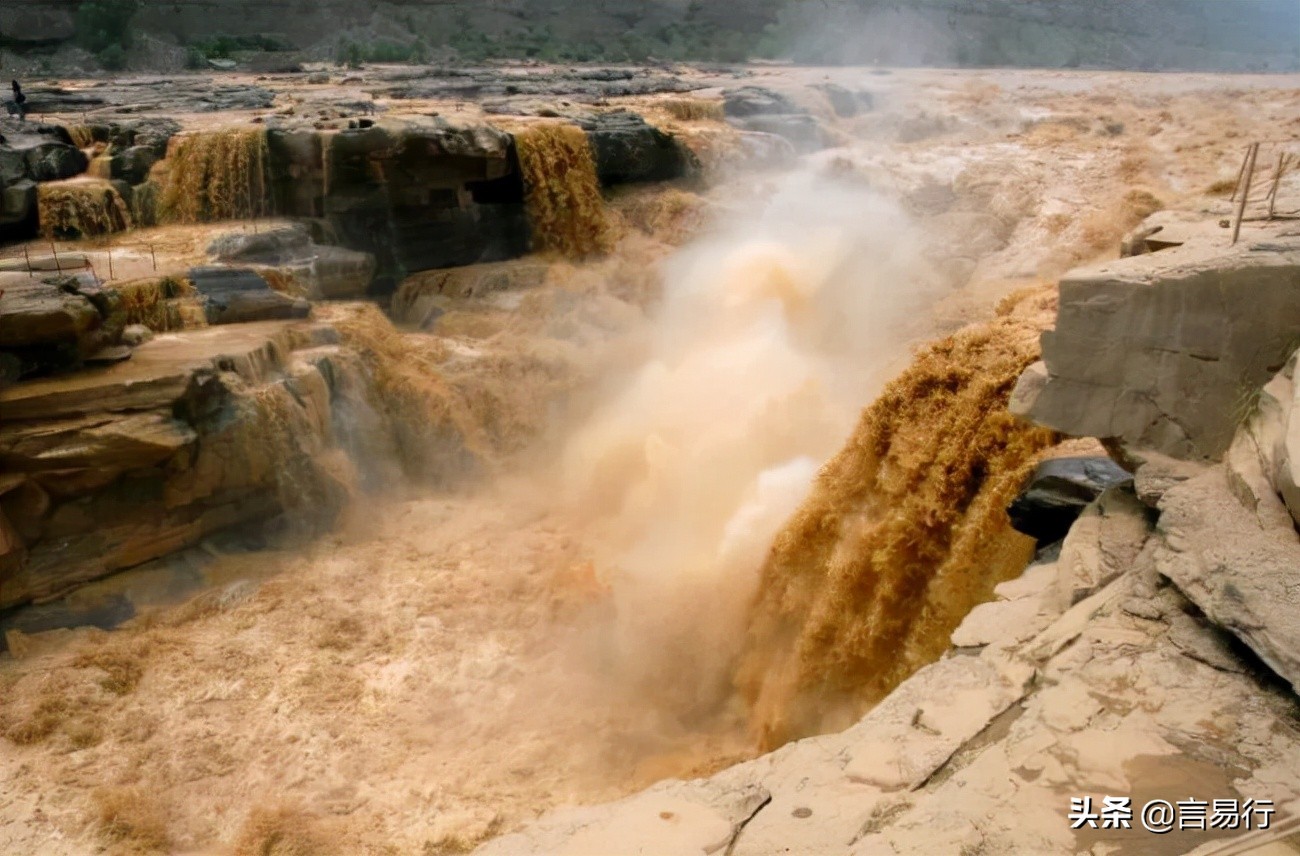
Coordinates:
1236 188
1277 178
153 256
31 274
55 250
110 265
1248 174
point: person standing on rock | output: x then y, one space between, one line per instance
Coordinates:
18 106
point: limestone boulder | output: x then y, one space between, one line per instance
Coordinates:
18 211
1162 351
758 110
1106 541
31 152
1231 547
1274 431
55 324
132 164
44 313
801 130
1154 473
53 160
277 245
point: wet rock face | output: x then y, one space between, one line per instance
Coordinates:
31 153
421 195
237 295
759 110
1160 351
415 197
745 101
628 149
323 271
55 324
845 102
200 431
1058 491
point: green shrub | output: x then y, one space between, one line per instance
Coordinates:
102 24
387 52
222 46
113 57
349 53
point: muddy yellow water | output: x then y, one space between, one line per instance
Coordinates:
723 478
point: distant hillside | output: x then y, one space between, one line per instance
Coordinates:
1261 35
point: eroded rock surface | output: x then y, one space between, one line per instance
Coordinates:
233 295
55 323
1162 351
30 153
200 431
324 271
415 195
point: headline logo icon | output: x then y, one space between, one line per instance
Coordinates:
1161 816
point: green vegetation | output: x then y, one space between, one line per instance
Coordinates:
104 29
349 53
113 57
224 47
353 54
692 38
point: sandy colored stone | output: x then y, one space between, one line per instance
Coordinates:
1153 351
1236 563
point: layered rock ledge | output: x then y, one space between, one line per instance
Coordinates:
199 431
1164 351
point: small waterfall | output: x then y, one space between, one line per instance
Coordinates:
161 303
83 136
215 176
565 207
81 208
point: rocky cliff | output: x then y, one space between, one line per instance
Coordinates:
1149 34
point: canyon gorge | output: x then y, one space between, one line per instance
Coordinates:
617 459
